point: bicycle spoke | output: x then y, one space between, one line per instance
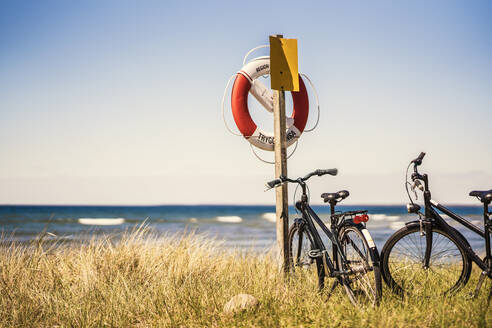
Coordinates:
410 249
355 247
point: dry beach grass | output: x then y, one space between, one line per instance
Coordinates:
139 280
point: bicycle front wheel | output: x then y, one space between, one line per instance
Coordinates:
300 243
403 263
363 279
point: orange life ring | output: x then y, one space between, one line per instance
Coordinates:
239 103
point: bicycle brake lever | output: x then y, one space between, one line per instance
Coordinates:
414 185
417 184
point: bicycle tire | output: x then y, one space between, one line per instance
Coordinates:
300 242
363 285
402 257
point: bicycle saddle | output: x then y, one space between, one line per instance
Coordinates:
484 196
336 196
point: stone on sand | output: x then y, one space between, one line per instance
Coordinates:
240 302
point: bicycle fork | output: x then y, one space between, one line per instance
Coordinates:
426 230
428 245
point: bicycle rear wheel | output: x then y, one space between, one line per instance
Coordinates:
363 281
299 244
403 263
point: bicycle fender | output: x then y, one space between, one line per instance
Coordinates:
367 235
410 224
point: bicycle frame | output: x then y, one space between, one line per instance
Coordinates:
431 213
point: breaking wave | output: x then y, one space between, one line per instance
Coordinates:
396 225
101 221
229 219
270 216
383 217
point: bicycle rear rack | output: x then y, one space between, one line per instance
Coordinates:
348 215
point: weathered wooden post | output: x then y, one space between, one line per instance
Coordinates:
284 77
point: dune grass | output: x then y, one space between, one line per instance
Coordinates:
184 281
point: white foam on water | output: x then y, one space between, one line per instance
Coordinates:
396 225
101 221
229 219
194 220
270 216
383 217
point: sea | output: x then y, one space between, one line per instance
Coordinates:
233 226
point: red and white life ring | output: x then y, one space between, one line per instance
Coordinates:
239 103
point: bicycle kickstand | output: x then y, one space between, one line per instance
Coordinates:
333 287
479 285
490 296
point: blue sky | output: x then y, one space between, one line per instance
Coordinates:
118 102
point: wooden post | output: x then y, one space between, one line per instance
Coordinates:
282 207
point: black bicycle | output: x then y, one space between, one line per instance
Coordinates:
428 256
355 259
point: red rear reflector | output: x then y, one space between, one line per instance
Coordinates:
361 218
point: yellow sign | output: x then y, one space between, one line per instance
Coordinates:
283 64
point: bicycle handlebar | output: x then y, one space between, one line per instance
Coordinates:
319 172
418 160
273 183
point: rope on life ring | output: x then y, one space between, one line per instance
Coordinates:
270 162
317 102
252 50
